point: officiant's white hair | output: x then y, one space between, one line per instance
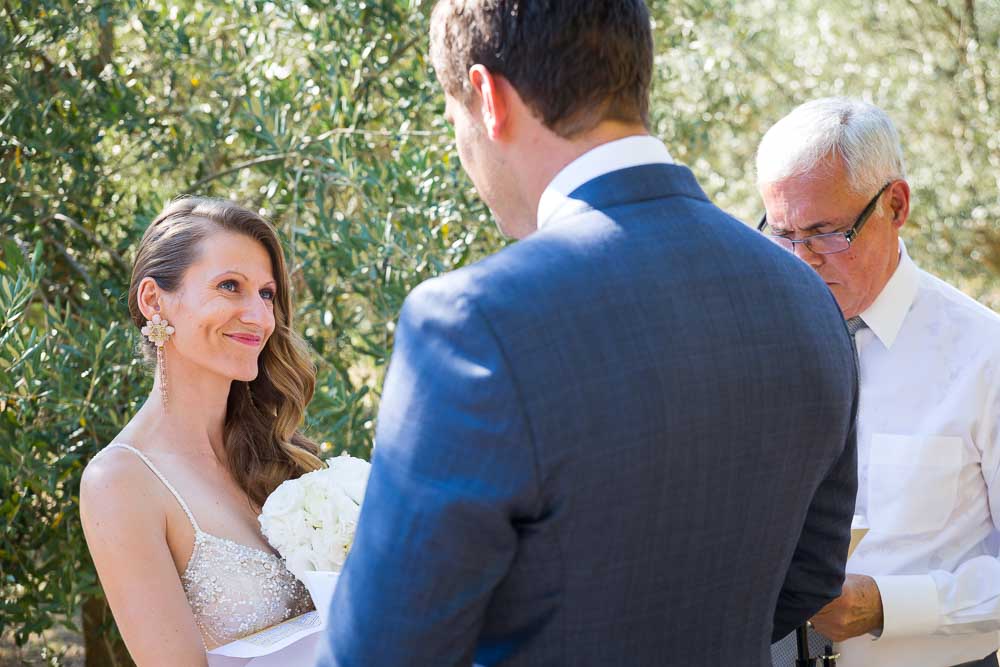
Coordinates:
860 134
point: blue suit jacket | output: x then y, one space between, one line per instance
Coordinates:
625 440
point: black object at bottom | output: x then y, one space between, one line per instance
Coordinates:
988 661
785 651
802 643
827 659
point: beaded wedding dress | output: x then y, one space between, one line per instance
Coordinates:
234 590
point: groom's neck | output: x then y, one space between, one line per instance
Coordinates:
547 154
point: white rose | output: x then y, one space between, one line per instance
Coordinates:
336 521
329 554
300 561
351 475
283 533
311 520
348 510
287 498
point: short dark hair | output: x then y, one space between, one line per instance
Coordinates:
575 63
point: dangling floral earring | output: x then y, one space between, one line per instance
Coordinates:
158 331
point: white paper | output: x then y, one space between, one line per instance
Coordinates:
321 585
274 646
302 652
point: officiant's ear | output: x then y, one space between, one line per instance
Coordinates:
493 92
899 202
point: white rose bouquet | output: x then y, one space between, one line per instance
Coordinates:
311 522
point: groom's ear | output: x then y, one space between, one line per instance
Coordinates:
493 92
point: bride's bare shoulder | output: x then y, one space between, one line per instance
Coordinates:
112 465
116 483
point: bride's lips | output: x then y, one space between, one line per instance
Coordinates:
246 339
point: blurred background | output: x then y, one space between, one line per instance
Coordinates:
326 117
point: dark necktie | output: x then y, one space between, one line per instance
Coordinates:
854 325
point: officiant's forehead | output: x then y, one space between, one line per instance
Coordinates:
813 202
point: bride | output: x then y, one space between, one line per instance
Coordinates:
170 508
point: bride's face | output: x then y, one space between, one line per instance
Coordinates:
223 312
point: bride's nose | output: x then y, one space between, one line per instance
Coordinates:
257 311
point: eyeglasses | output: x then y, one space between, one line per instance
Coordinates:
832 242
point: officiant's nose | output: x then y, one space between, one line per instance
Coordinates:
803 252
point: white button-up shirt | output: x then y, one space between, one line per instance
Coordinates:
604 159
929 473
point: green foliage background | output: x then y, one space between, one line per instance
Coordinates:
325 115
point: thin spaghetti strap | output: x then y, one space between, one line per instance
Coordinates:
149 464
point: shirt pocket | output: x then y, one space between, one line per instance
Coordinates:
912 482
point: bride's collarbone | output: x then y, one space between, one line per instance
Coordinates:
220 507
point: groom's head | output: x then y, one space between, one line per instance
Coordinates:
526 79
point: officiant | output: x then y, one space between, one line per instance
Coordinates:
923 587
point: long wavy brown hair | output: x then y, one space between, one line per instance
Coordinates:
263 443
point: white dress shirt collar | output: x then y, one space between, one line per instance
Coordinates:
886 314
606 158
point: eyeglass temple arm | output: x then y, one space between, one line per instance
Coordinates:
853 232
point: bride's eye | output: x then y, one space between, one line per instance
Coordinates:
267 293
228 285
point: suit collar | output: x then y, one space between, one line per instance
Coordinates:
606 158
630 186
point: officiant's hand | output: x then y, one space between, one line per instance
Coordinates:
857 611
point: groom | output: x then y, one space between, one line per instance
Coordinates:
627 439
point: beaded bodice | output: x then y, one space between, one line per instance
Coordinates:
234 590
